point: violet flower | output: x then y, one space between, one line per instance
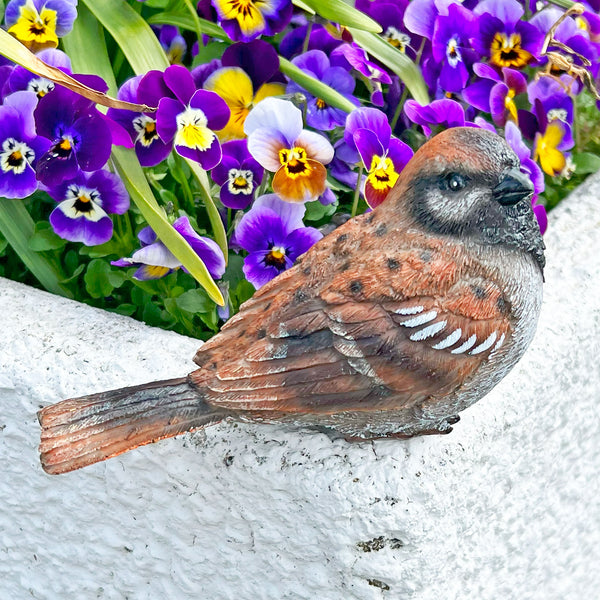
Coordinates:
81 137
20 146
191 118
319 114
84 205
244 79
445 112
39 23
353 56
319 38
149 147
154 260
384 157
495 94
296 156
502 36
245 21
273 233
238 174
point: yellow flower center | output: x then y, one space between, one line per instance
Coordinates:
382 174
240 181
35 29
320 104
397 38
192 130
507 52
15 156
276 257
295 162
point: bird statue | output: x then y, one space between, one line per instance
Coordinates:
387 327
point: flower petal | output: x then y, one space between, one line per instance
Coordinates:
278 114
264 145
291 215
317 146
303 188
260 229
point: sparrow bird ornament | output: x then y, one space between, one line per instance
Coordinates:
388 327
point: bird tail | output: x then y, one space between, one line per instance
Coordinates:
82 431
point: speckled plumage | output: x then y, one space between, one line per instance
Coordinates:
389 326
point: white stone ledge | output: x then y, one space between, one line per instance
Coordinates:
507 506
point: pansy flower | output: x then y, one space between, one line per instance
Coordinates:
552 143
39 23
502 36
85 203
238 174
352 56
23 79
243 81
191 118
496 94
81 137
149 147
384 157
273 233
319 38
172 42
319 114
296 156
245 20
444 112
154 260
20 146
390 15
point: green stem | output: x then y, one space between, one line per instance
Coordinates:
187 190
562 3
196 19
357 191
307 37
399 108
17 226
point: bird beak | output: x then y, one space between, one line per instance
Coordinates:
513 187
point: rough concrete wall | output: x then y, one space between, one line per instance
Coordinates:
507 506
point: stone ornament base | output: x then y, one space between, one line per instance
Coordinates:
507 506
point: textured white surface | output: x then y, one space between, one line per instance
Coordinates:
507 506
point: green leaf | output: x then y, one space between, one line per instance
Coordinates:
17 226
342 13
127 310
315 211
395 60
94 58
586 162
195 301
76 273
97 280
131 32
182 20
44 238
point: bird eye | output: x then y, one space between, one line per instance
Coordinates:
454 182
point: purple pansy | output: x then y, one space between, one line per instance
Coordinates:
81 137
390 15
353 56
245 21
319 38
273 233
172 42
495 94
502 36
320 115
191 118
383 156
84 205
154 260
238 174
23 79
444 112
149 147
20 146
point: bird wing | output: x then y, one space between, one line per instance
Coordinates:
362 342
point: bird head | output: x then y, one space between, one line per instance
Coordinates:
466 183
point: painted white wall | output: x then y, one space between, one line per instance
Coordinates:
507 506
